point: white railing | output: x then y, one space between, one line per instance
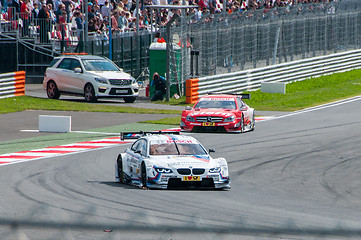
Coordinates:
251 79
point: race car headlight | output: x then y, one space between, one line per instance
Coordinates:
101 80
190 119
230 119
215 170
163 170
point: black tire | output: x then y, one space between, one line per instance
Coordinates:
89 93
144 175
241 127
120 168
253 126
52 90
129 99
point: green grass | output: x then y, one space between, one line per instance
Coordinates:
309 93
166 121
299 95
21 103
302 94
68 138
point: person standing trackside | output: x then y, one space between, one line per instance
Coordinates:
160 88
79 31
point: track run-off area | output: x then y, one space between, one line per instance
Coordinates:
297 176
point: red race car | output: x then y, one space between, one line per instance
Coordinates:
219 113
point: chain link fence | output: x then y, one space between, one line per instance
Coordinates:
233 42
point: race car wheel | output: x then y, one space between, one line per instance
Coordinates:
89 93
120 168
241 127
52 90
253 124
144 175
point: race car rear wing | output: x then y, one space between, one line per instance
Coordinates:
136 135
243 95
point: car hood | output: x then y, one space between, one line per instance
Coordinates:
212 112
199 161
111 74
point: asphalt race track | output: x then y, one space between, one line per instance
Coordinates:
294 177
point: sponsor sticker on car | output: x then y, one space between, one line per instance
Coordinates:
191 178
209 124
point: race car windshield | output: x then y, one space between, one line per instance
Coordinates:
216 104
176 149
99 65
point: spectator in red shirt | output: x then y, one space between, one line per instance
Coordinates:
24 15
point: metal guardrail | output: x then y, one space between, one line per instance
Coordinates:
12 84
248 80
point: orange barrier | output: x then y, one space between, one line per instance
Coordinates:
12 84
192 88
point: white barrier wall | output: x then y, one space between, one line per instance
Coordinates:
59 124
273 87
286 72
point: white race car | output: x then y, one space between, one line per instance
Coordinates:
169 160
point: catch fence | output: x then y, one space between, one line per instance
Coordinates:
220 44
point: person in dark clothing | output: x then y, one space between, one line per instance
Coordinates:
44 23
160 88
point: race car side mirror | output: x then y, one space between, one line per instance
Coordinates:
188 108
211 150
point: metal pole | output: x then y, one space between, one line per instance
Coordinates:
168 41
86 26
137 21
276 44
110 35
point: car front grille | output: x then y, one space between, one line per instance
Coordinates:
187 171
209 119
198 171
120 82
184 171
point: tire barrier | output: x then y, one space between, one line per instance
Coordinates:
249 80
12 84
192 90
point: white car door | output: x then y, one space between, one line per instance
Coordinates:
69 80
76 80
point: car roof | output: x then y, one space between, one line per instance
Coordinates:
90 57
220 96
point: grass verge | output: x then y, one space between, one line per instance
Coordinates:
73 137
21 103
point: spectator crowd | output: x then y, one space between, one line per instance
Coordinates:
121 15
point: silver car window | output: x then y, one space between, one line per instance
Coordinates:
99 65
